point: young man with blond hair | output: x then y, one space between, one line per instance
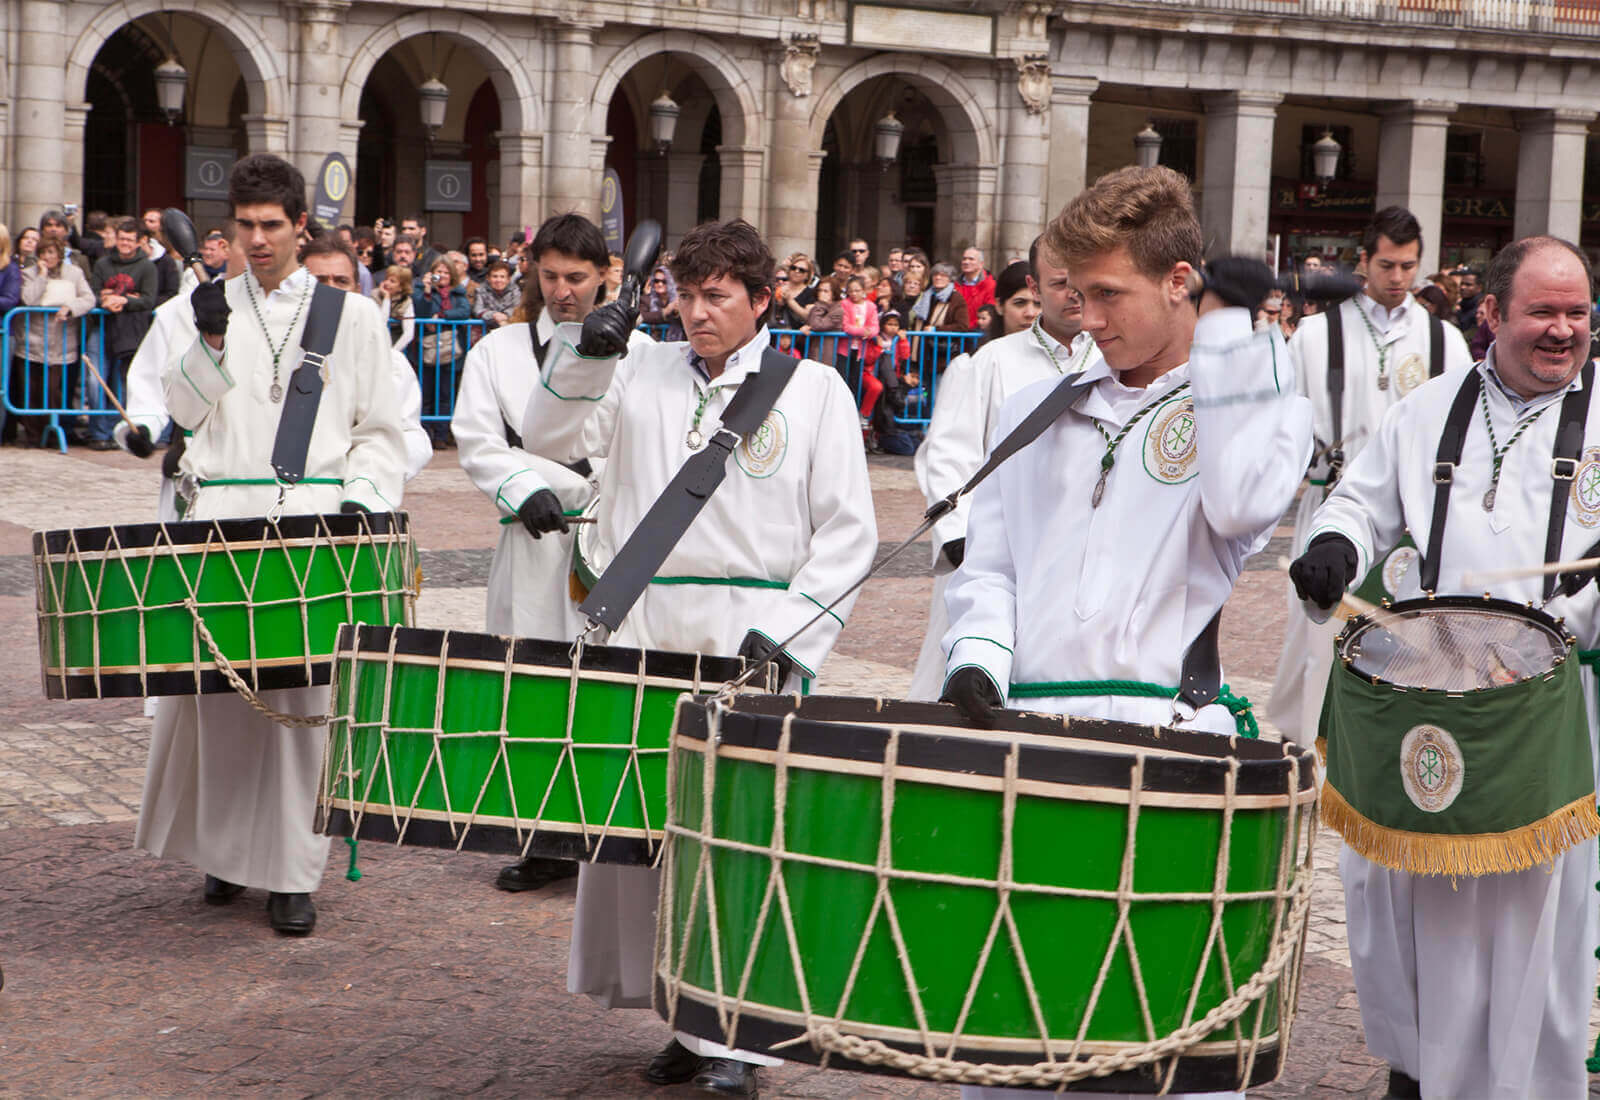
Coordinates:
1103 550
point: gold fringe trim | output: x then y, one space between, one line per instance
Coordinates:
1464 855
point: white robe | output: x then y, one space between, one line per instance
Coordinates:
225 789
1479 987
1118 592
796 508
972 390
529 595
1296 702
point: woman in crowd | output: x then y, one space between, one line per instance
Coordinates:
660 307
940 308
1018 304
28 247
10 297
438 302
793 296
46 359
823 319
911 288
395 300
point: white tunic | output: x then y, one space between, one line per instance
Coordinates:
1478 987
1121 590
795 508
226 789
972 390
528 596
1403 333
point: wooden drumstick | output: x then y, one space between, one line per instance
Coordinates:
111 397
1490 576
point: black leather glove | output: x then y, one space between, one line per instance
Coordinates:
757 648
606 331
1239 281
139 443
170 462
351 508
955 552
974 694
541 513
1570 584
1325 570
210 309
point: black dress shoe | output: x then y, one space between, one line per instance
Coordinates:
673 1066
1403 1086
534 872
220 891
727 1077
291 914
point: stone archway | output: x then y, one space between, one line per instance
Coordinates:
741 152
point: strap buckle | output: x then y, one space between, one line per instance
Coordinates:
1444 473
1183 711
1563 469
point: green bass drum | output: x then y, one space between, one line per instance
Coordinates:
449 739
870 885
146 608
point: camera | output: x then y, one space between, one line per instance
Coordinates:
70 208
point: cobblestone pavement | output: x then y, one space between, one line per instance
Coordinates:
421 979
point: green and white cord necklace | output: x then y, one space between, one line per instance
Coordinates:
1500 452
1038 334
1381 348
694 438
1109 459
276 392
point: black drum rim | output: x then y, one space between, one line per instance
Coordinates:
1532 613
91 540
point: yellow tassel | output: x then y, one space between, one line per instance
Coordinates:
1467 854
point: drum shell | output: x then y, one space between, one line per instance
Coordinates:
947 815
395 687
112 620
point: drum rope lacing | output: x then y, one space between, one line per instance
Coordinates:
827 1034
54 587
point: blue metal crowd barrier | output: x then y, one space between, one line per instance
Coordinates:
42 376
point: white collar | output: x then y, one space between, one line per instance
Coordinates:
1521 405
1382 318
293 283
745 360
545 326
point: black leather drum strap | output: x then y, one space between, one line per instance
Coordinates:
635 565
1564 466
1336 391
1435 346
1448 457
299 414
1201 677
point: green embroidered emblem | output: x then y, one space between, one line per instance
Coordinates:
1169 442
761 453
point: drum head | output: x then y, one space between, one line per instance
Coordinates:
1453 644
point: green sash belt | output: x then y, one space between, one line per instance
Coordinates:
208 482
1244 718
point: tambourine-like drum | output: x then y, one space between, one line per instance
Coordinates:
166 608
449 739
870 885
1456 737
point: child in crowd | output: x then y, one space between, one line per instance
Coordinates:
394 299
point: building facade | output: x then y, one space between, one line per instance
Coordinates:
1477 114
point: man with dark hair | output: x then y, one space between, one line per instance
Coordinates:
528 595
227 789
127 285
1470 279
55 225
214 252
844 266
1481 986
860 254
417 229
1385 344
168 277
404 253
787 533
972 391
477 251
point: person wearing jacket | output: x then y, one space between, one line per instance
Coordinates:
127 284
46 367
437 299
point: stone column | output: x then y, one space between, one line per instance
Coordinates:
266 134
318 128
1550 159
1411 167
521 169
75 117
1069 140
683 195
791 164
574 186
1026 106
742 167
966 208
39 170
1236 175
